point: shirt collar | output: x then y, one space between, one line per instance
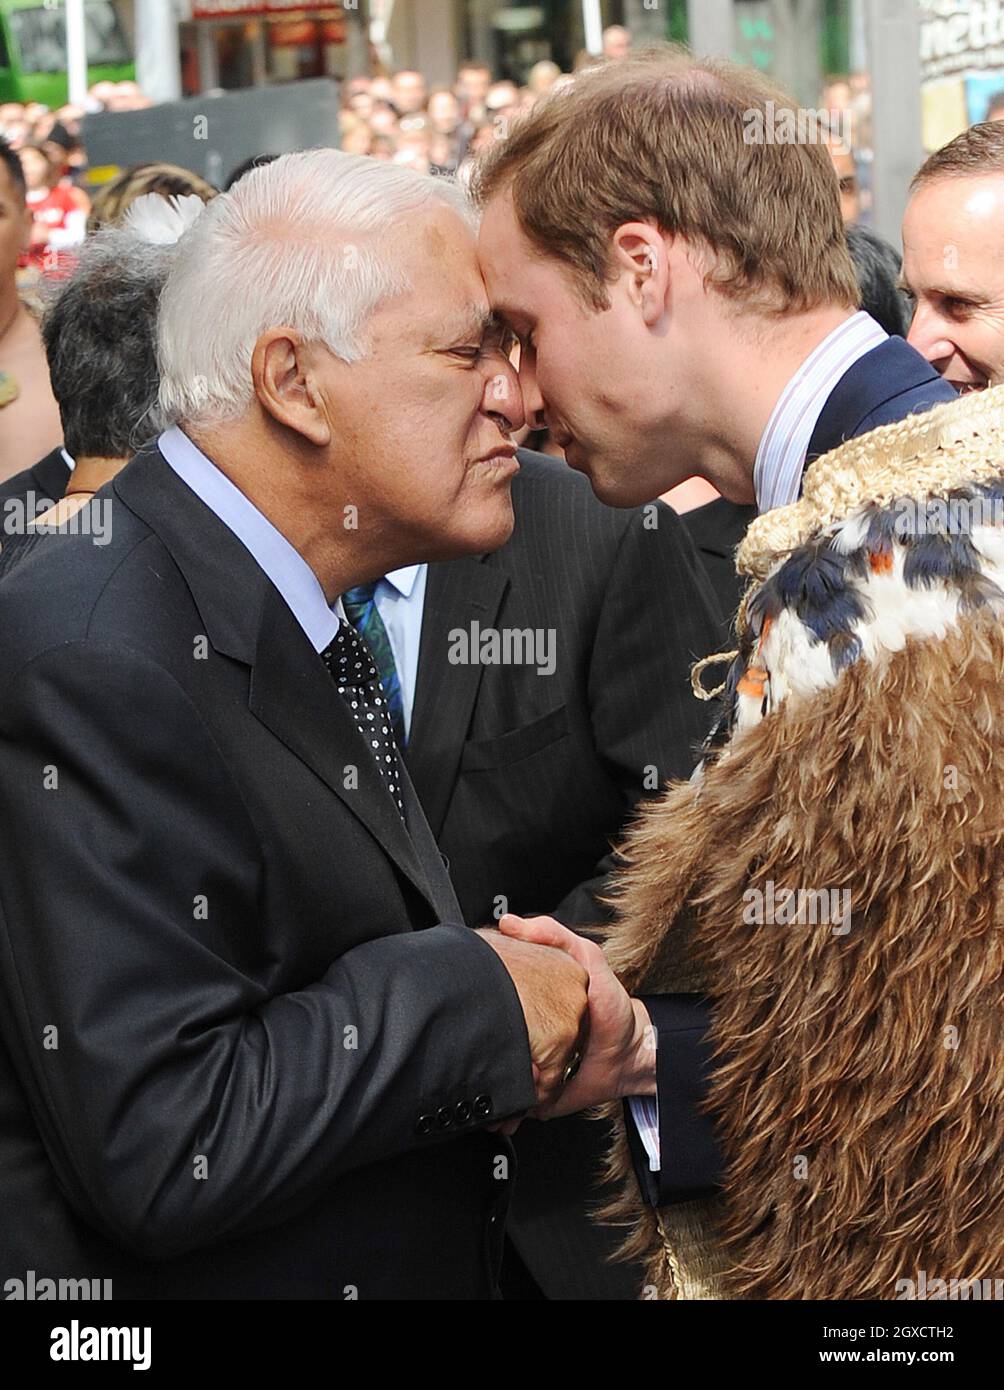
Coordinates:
780 458
70 462
282 563
404 579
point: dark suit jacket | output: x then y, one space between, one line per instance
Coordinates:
887 384
716 530
246 1043
527 777
46 479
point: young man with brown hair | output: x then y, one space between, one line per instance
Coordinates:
685 301
681 284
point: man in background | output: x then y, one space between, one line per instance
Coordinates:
953 258
29 416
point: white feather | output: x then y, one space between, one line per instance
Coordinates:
162 221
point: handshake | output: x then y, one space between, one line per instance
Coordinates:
589 1040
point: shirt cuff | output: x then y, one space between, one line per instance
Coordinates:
645 1113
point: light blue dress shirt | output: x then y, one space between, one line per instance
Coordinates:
400 595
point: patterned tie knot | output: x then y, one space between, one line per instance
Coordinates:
349 661
361 593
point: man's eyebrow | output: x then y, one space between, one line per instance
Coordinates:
967 294
473 324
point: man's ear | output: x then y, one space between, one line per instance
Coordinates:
639 250
286 384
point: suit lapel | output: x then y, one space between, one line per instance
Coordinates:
458 592
246 618
294 696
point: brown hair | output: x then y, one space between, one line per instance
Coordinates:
978 150
665 138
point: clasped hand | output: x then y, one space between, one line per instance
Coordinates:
576 1011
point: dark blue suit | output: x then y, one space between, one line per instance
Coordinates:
887 384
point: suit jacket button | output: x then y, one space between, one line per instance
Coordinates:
444 1117
462 1110
425 1123
482 1106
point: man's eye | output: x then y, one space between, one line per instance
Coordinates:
955 308
471 351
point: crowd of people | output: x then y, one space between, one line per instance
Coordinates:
315 658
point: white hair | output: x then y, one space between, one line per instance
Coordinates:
306 240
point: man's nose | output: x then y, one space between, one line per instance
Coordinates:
927 336
503 398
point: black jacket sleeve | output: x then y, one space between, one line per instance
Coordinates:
180 1097
691 1161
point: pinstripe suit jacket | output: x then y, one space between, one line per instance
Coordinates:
527 774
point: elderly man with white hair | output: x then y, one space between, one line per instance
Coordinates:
249 1047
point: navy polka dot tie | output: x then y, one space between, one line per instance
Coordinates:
357 680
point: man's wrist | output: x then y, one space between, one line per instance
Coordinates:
639 1075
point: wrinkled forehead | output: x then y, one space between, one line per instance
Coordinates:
438 255
952 223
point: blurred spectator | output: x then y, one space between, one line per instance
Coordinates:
847 176
413 144
120 96
443 111
502 98
877 266
356 137
542 77
14 125
616 42
58 211
473 80
112 199
29 417
382 147
953 231
66 151
100 342
837 94
384 119
357 96
409 92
